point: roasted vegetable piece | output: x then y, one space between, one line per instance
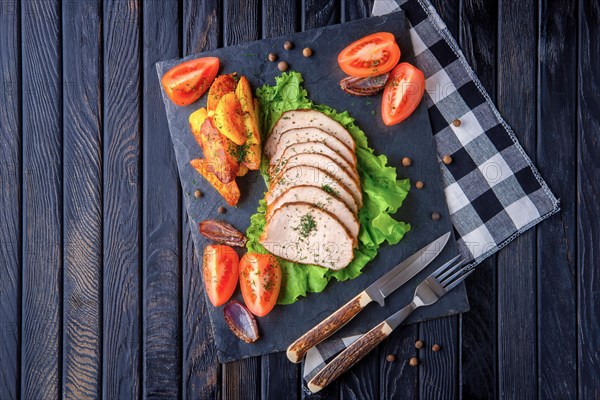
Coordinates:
243 170
221 152
371 55
241 322
187 82
196 119
222 232
402 94
229 119
229 191
252 151
221 86
220 270
260 281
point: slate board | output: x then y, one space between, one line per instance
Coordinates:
412 138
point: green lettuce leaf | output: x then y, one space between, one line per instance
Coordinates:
383 194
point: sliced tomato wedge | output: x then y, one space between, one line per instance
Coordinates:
372 55
220 270
402 94
185 83
260 281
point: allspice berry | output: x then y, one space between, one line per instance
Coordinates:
272 57
406 161
307 52
447 159
197 194
419 185
435 216
221 210
413 362
435 347
390 358
456 122
288 45
419 344
283 66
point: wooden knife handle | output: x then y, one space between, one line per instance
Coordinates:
350 356
327 327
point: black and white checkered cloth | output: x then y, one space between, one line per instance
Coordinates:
493 190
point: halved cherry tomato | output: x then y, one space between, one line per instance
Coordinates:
185 83
372 55
220 269
402 94
260 281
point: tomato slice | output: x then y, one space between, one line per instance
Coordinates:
220 270
185 83
402 94
372 55
260 281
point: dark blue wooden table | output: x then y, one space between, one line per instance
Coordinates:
100 292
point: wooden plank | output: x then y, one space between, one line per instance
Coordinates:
241 379
315 14
82 296
439 372
478 327
201 372
588 233
557 293
42 200
161 214
121 360
10 198
280 379
397 378
517 308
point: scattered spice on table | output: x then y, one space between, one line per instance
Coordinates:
307 52
435 216
221 210
283 66
419 185
390 358
413 362
457 122
419 344
197 194
288 45
272 57
436 347
406 161
447 159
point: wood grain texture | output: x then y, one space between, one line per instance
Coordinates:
201 374
42 200
439 371
161 214
121 360
517 299
10 200
588 234
82 295
478 341
556 244
397 379
280 379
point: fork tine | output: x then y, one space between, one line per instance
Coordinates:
444 271
449 284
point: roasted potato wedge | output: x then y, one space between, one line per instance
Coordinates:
243 170
220 152
229 191
196 119
252 151
221 86
229 119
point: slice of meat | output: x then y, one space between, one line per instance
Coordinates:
314 148
306 118
304 233
321 199
311 176
326 164
303 135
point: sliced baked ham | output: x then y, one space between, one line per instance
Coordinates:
303 135
320 198
304 233
311 176
313 148
326 164
306 118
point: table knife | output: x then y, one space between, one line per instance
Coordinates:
377 292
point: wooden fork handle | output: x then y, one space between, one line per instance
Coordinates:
350 356
327 327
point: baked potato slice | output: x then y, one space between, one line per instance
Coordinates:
222 85
220 152
252 151
196 120
229 119
229 191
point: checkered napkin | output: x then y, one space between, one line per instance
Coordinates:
493 191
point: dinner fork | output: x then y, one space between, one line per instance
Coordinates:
436 285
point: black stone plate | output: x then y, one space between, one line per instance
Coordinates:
412 138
